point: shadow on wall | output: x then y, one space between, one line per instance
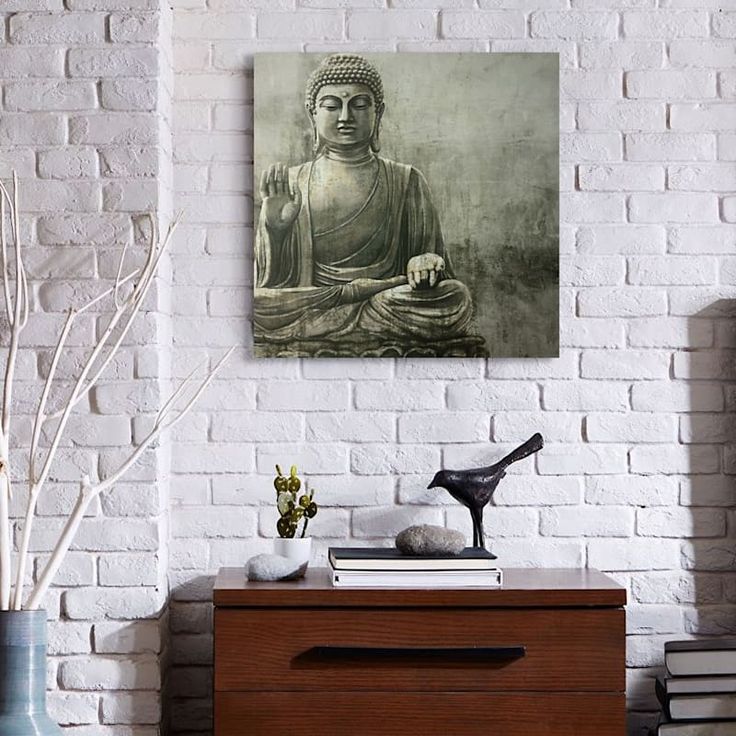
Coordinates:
120 681
698 598
187 691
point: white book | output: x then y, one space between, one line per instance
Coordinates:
707 728
692 685
701 657
430 579
702 707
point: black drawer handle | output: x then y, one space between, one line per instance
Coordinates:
477 654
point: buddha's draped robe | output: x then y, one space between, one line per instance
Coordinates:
352 278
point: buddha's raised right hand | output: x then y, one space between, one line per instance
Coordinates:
281 200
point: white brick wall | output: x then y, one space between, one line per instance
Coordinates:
638 474
85 120
636 478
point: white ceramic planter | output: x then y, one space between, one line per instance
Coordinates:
297 549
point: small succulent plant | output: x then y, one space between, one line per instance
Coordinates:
292 507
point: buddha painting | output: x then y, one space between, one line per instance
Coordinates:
350 256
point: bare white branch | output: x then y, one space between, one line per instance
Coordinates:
34 487
4 255
22 292
118 283
62 546
88 492
19 307
131 305
35 481
17 314
5 571
135 301
164 410
5 541
126 308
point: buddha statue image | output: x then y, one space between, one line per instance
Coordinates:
349 254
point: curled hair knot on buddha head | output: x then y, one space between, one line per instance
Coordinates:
345 69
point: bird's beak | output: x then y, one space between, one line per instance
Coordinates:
432 485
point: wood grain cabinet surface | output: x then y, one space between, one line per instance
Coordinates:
544 655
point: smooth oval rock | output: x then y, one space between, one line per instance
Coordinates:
426 540
267 568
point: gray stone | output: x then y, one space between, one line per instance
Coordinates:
426 540
272 568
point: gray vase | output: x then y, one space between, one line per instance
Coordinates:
23 675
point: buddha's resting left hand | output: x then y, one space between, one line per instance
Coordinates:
423 271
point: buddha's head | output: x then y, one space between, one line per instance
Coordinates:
344 101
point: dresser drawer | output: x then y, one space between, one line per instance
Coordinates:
434 649
397 714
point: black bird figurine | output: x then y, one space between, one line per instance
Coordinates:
474 488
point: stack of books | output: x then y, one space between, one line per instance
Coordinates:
380 567
698 696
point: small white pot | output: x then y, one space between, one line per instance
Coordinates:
298 549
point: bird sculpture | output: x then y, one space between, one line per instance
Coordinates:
474 488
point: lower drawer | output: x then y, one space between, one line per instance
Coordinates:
439 713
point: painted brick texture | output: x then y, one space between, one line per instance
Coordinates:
85 121
638 475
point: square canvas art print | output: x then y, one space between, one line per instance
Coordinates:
406 205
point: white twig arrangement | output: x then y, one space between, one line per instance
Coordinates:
126 296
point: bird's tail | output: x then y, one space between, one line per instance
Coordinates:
532 445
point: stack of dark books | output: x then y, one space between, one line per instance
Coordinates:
381 567
698 696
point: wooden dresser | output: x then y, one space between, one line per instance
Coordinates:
542 656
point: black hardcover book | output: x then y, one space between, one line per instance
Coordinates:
700 657
389 559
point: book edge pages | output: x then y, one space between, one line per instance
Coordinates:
496 582
701 685
676 703
408 566
699 663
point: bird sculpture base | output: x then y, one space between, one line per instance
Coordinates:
485 549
